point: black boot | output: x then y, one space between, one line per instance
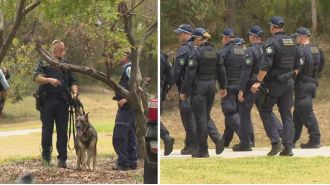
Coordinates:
61 164
219 146
276 148
286 152
168 142
310 145
186 150
241 148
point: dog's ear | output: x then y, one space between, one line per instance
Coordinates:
86 116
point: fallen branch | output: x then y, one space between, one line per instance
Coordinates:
82 69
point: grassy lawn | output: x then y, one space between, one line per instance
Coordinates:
261 170
22 115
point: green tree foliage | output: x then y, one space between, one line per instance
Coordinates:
218 14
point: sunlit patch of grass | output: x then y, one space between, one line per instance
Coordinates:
261 170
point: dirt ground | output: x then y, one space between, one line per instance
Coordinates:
53 175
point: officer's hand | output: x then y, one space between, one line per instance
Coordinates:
54 82
255 87
223 92
183 97
75 95
240 96
122 102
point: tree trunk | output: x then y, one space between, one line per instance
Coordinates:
232 13
314 18
2 27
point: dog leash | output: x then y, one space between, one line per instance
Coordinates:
76 109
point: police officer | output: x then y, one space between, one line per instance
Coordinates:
54 91
165 84
281 62
250 69
4 86
240 41
124 134
184 32
305 88
232 56
204 67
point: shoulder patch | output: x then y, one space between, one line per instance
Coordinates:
191 62
314 50
181 61
248 61
269 50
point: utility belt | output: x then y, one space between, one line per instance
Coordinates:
233 82
42 96
282 77
205 77
306 80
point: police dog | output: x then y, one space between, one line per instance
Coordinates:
85 142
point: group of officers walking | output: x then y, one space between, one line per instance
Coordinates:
265 74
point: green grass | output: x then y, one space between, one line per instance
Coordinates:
261 170
22 115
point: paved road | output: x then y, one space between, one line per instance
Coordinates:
19 132
257 152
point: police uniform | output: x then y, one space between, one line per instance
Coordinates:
124 134
232 56
3 87
166 81
54 107
178 72
305 90
250 68
204 67
281 58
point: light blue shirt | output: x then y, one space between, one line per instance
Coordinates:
3 80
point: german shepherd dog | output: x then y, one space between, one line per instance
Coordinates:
85 142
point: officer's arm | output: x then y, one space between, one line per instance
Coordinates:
40 75
168 75
221 74
3 80
267 63
179 63
246 69
73 83
322 61
189 75
298 62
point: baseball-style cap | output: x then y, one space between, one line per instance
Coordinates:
277 21
303 31
256 30
228 32
239 41
184 28
198 32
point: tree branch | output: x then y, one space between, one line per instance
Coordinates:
31 7
82 69
18 20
